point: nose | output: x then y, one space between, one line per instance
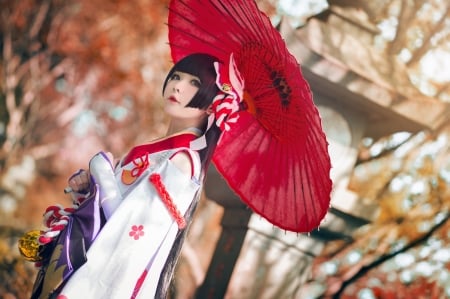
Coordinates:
176 88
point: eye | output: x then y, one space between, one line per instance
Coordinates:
196 83
175 76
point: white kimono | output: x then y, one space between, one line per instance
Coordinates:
128 255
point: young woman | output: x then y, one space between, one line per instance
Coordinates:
147 201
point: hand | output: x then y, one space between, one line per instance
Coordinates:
80 182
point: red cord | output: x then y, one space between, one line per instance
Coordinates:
155 179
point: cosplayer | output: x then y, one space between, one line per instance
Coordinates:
124 238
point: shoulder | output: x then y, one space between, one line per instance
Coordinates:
183 161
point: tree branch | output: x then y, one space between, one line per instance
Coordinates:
426 45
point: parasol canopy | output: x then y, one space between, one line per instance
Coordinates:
276 156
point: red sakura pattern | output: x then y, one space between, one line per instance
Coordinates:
136 231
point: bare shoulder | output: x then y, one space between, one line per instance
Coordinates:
182 161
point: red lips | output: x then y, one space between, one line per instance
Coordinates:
173 99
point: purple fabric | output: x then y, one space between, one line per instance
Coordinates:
76 238
84 225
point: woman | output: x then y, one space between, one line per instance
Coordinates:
149 199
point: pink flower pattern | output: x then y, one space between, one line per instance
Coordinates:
137 231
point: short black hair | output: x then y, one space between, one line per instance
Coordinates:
202 66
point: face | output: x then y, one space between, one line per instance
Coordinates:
180 89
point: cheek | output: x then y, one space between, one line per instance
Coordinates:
166 89
191 91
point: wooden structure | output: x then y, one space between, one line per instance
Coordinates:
360 93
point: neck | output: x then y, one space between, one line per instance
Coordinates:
177 127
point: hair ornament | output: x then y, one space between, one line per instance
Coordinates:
226 104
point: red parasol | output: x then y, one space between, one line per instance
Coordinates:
275 158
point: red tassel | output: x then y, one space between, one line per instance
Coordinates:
155 179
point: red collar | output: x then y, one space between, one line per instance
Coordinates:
181 140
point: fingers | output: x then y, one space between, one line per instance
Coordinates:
80 181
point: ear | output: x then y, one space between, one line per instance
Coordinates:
209 110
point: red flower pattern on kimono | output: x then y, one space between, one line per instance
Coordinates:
136 231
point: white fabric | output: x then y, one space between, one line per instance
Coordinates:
236 79
101 169
116 260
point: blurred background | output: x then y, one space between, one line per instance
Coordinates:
77 77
